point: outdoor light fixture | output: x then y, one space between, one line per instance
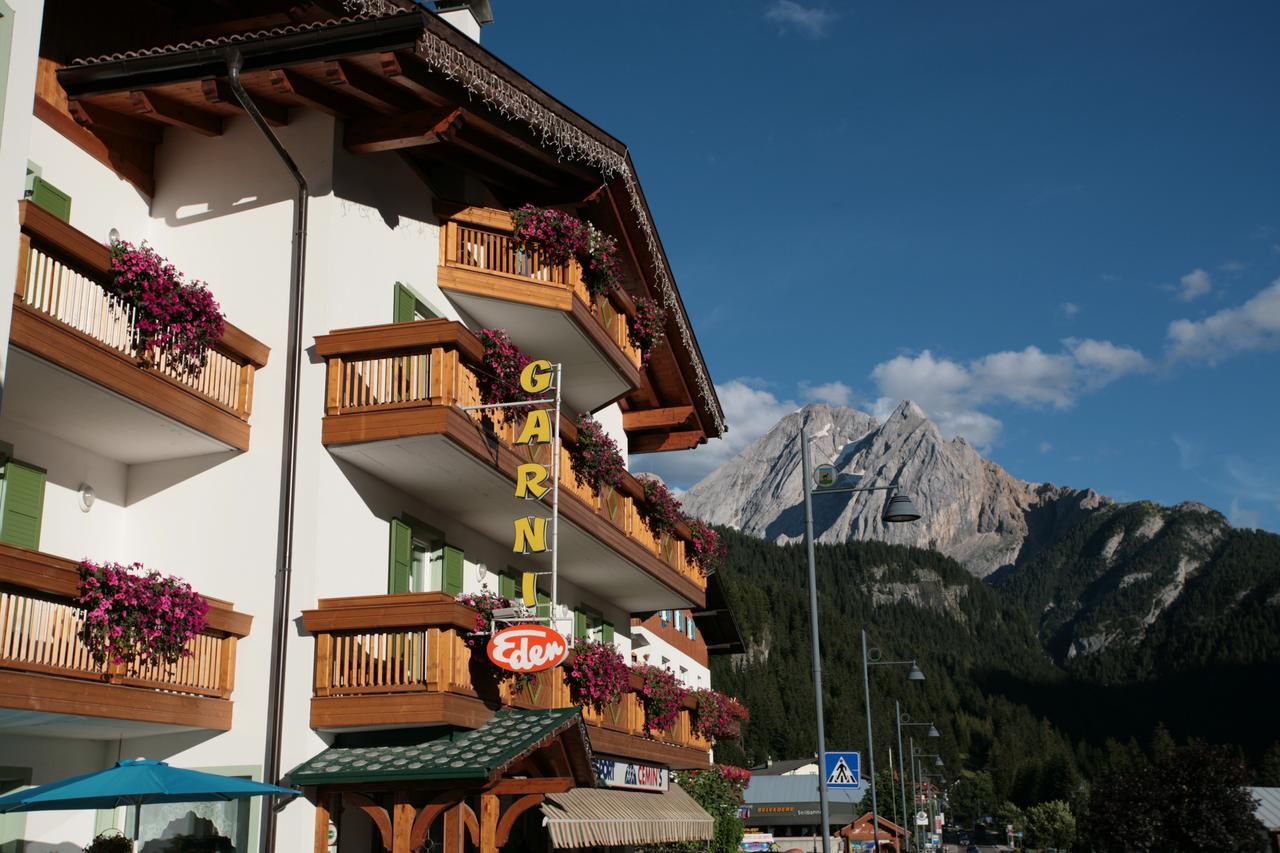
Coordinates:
937 762
899 509
933 731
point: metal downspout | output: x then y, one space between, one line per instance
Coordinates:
289 457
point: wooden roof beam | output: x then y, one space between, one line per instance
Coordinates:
99 118
672 416
375 90
407 69
405 130
659 442
505 158
326 99
164 109
218 92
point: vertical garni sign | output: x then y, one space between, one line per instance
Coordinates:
530 648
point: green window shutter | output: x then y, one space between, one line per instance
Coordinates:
606 632
405 305
22 504
506 586
453 570
401 555
579 625
51 198
544 603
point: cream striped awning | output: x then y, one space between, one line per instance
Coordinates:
601 817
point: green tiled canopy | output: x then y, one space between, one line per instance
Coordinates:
509 735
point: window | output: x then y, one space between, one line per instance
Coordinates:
690 628
421 561
409 306
679 620
589 624
662 615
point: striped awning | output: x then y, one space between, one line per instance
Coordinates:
601 817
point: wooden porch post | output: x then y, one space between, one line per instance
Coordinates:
402 824
489 809
322 824
453 829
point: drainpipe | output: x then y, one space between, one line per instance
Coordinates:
289 457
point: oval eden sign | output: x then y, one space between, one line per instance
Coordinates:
527 648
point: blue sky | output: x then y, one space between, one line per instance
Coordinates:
1056 226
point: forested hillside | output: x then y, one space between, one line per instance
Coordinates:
1205 665
914 604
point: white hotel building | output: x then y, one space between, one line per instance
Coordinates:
320 484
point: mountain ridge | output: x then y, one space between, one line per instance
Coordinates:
977 512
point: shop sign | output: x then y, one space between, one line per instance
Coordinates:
628 774
527 648
531 477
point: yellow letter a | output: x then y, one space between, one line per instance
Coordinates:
537 428
531 535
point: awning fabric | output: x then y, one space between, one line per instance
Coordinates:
587 817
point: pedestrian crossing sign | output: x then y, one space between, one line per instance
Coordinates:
843 769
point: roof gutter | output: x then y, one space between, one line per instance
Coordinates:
317 45
234 62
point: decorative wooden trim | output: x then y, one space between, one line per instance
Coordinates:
663 441
53 695
404 610
125 164
376 813
397 337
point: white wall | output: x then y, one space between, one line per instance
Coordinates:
23 19
691 672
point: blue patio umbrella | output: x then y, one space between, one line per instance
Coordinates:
135 783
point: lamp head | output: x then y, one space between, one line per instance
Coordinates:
937 762
933 731
899 508
915 674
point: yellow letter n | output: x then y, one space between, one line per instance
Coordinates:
531 535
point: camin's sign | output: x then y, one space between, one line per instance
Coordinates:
531 648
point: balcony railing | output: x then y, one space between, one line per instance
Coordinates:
414 644
399 367
40 634
480 240
60 280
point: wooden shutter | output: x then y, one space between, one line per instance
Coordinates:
22 504
400 556
405 308
606 632
506 586
579 624
451 577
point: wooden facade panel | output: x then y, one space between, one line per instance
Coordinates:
52 695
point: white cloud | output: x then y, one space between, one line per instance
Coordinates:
1251 326
811 21
1069 309
750 411
1188 452
1194 284
1045 447
954 394
835 393
1233 266
1241 517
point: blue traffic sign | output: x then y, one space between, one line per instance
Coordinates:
843 769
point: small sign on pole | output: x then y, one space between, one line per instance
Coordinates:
922 819
826 475
843 769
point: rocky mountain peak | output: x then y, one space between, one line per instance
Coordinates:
973 509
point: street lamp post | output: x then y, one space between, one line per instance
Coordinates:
899 508
904 719
937 761
871 657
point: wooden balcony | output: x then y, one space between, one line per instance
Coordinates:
393 409
50 684
545 308
75 372
401 660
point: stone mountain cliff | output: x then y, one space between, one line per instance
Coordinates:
976 511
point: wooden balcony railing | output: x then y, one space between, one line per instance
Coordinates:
480 239
429 364
414 644
60 276
40 635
